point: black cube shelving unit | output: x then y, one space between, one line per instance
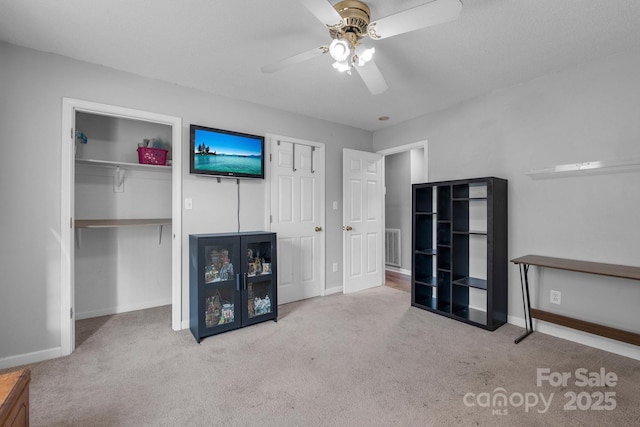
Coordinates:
459 244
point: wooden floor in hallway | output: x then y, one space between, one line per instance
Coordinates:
398 280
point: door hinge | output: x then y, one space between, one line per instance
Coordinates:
270 157
270 218
70 222
71 313
71 134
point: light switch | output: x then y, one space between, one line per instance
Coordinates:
188 203
335 205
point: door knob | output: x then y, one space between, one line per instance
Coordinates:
318 229
349 228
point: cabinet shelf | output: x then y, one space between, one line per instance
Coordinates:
472 315
221 283
476 232
426 251
432 281
445 308
471 282
259 277
430 303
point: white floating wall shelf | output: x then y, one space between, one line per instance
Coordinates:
585 168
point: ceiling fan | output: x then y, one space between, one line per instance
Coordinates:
349 23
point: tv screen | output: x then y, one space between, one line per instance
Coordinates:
225 153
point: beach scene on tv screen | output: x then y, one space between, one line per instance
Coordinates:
227 153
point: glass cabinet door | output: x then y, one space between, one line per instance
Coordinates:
259 270
220 260
220 304
259 298
219 297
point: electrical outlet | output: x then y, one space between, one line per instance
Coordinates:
335 267
555 297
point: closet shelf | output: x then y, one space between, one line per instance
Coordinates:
120 168
112 223
124 165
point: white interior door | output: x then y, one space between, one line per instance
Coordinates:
362 181
67 241
297 216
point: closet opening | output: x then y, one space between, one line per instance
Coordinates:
122 198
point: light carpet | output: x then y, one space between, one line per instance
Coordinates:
363 359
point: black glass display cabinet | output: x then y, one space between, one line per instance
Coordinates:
232 281
459 258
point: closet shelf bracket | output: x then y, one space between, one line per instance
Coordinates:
118 180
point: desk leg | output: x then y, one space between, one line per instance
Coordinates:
526 302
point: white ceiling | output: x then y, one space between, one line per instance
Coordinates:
220 47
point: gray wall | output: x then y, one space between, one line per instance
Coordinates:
586 113
32 85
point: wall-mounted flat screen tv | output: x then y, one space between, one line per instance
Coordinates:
225 153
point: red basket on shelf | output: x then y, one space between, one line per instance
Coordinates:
152 156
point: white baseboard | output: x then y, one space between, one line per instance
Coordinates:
398 270
122 309
29 358
595 341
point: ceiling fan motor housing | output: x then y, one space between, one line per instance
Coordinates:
356 17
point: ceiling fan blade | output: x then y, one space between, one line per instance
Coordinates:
324 11
433 13
372 77
295 59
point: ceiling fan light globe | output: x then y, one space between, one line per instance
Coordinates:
339 50
342 66
368 54
364 55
